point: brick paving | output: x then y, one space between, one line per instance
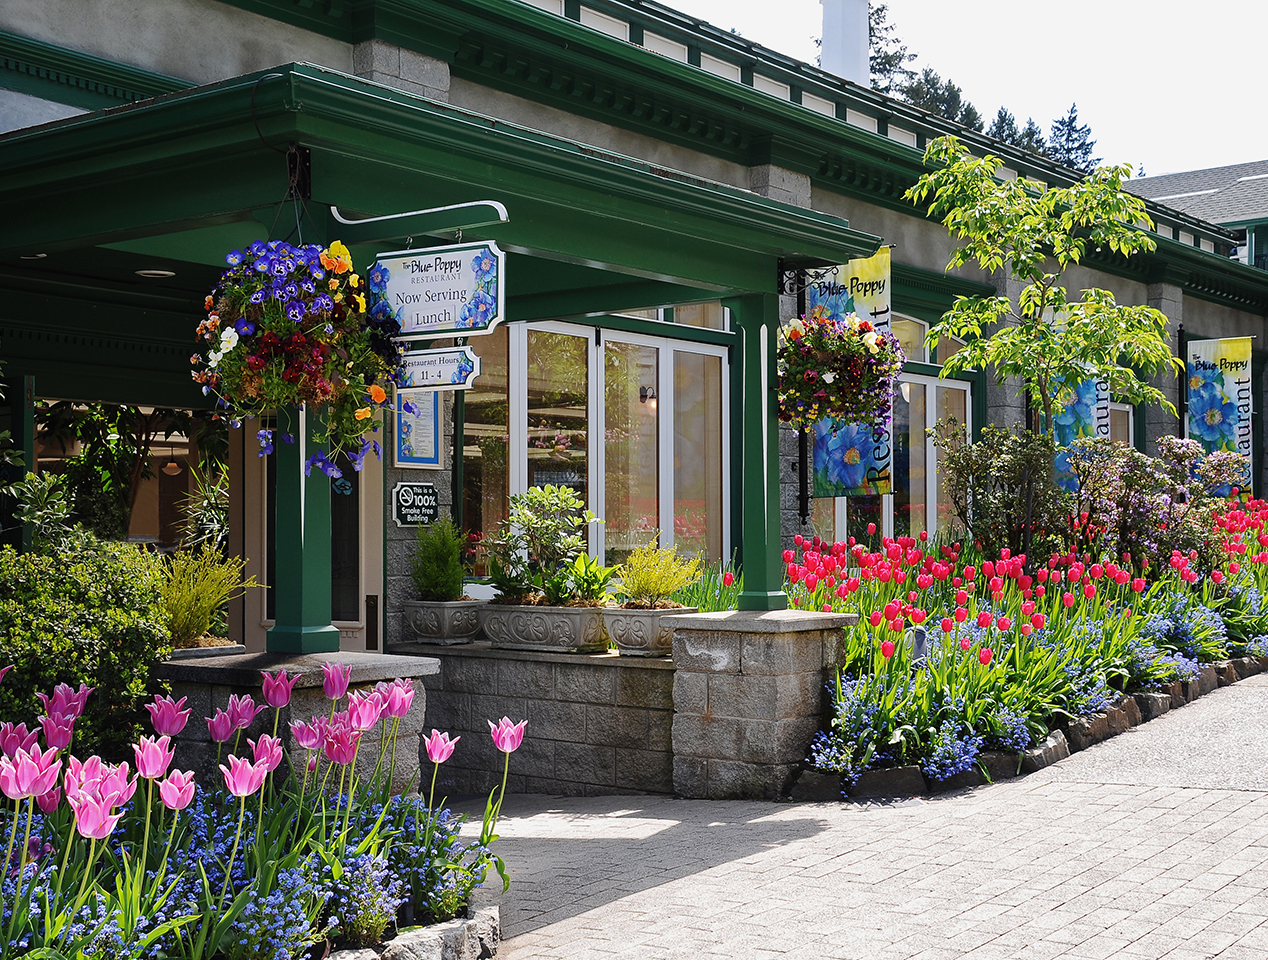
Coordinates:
1141 847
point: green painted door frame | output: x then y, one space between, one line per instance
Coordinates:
757 319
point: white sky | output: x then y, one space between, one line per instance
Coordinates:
1173 86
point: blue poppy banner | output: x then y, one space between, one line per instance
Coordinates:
1220 395
850 459
1082 410
435 291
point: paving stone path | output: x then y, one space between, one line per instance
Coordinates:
1153 844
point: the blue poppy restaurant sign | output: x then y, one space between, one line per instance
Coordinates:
442 291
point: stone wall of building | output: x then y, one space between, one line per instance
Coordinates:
597 724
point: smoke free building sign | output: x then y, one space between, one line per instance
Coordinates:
442 290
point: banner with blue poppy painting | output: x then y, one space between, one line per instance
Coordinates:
1082 410
440 290
1220 395
850 459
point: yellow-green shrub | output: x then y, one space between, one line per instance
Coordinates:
649 575
197 583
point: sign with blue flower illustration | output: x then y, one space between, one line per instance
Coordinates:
1082 410
418 429
853 459
1220 396
440 290
449 368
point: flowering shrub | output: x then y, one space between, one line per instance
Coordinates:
123 864
843 369
289 326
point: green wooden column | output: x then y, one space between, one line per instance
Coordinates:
302 601
757 319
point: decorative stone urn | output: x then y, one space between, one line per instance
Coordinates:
550 629
643 633
444 622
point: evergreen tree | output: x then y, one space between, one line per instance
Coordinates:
1071 143
1031 138
942 97
1004 127
888 56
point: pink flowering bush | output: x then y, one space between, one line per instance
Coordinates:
137 859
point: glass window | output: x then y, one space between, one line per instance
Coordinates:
1121 423
948 347
485 435
911 336
952 402
631 428
558 379
698 425
910 459
709 315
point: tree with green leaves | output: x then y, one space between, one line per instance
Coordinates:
1030 137
1044 338
888 56
1071 143
930 92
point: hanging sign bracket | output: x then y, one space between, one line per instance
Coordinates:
436 221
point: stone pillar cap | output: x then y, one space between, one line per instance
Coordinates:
761 621
243 670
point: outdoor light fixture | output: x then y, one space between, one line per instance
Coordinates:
34 256
647 395
905 390
172 467
155 274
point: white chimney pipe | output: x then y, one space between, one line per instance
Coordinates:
845 40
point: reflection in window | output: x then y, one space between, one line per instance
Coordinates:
710 315
485 437
557 421
911 337
951 403
631 424
698 455
910 460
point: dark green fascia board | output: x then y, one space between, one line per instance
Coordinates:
55 73
321 107
927 294
597 302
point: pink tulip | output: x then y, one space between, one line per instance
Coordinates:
242 777
115 787
243 711
277 689
58 731
398 697
4 670
29 773
221 726
83 776
93 818
268 751
153 757
312 763
337 678
340 744
49 802
309 735
364 710
66 701
15 738
177 790
507 736
167 716
439 746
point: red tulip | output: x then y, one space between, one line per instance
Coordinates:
1089 590
964 643
947 625
984 655
1068 599
1003 623
887 649
875 618
961 614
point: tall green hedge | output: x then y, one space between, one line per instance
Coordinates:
86 611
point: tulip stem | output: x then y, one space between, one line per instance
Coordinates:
170 837
79 897
145 841
487 834
26 838
242 811
13 834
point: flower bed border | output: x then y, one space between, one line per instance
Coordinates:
475 937
1082 732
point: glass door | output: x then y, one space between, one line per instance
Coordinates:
631 447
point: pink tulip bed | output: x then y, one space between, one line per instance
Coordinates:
265 863
956 652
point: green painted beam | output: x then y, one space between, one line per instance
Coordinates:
757 318
302 591
596 301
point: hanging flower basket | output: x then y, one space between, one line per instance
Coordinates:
839 368
288 326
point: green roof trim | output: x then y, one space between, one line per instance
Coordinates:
77 79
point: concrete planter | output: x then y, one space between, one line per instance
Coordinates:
643 633
549 629
201 653
436 621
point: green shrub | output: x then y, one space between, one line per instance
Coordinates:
650 576
196 585
436 563
86 612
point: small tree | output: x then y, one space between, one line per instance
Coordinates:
1071 143
1044 338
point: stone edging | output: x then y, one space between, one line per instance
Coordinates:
1080 733
474 938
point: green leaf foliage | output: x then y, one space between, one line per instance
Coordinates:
196 585
436 563
88 612
1044 337
650 576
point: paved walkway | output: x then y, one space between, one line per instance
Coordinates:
1153 844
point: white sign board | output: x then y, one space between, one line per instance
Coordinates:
449 368
439 291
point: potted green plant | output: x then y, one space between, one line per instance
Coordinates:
441 613
549 594
649 577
